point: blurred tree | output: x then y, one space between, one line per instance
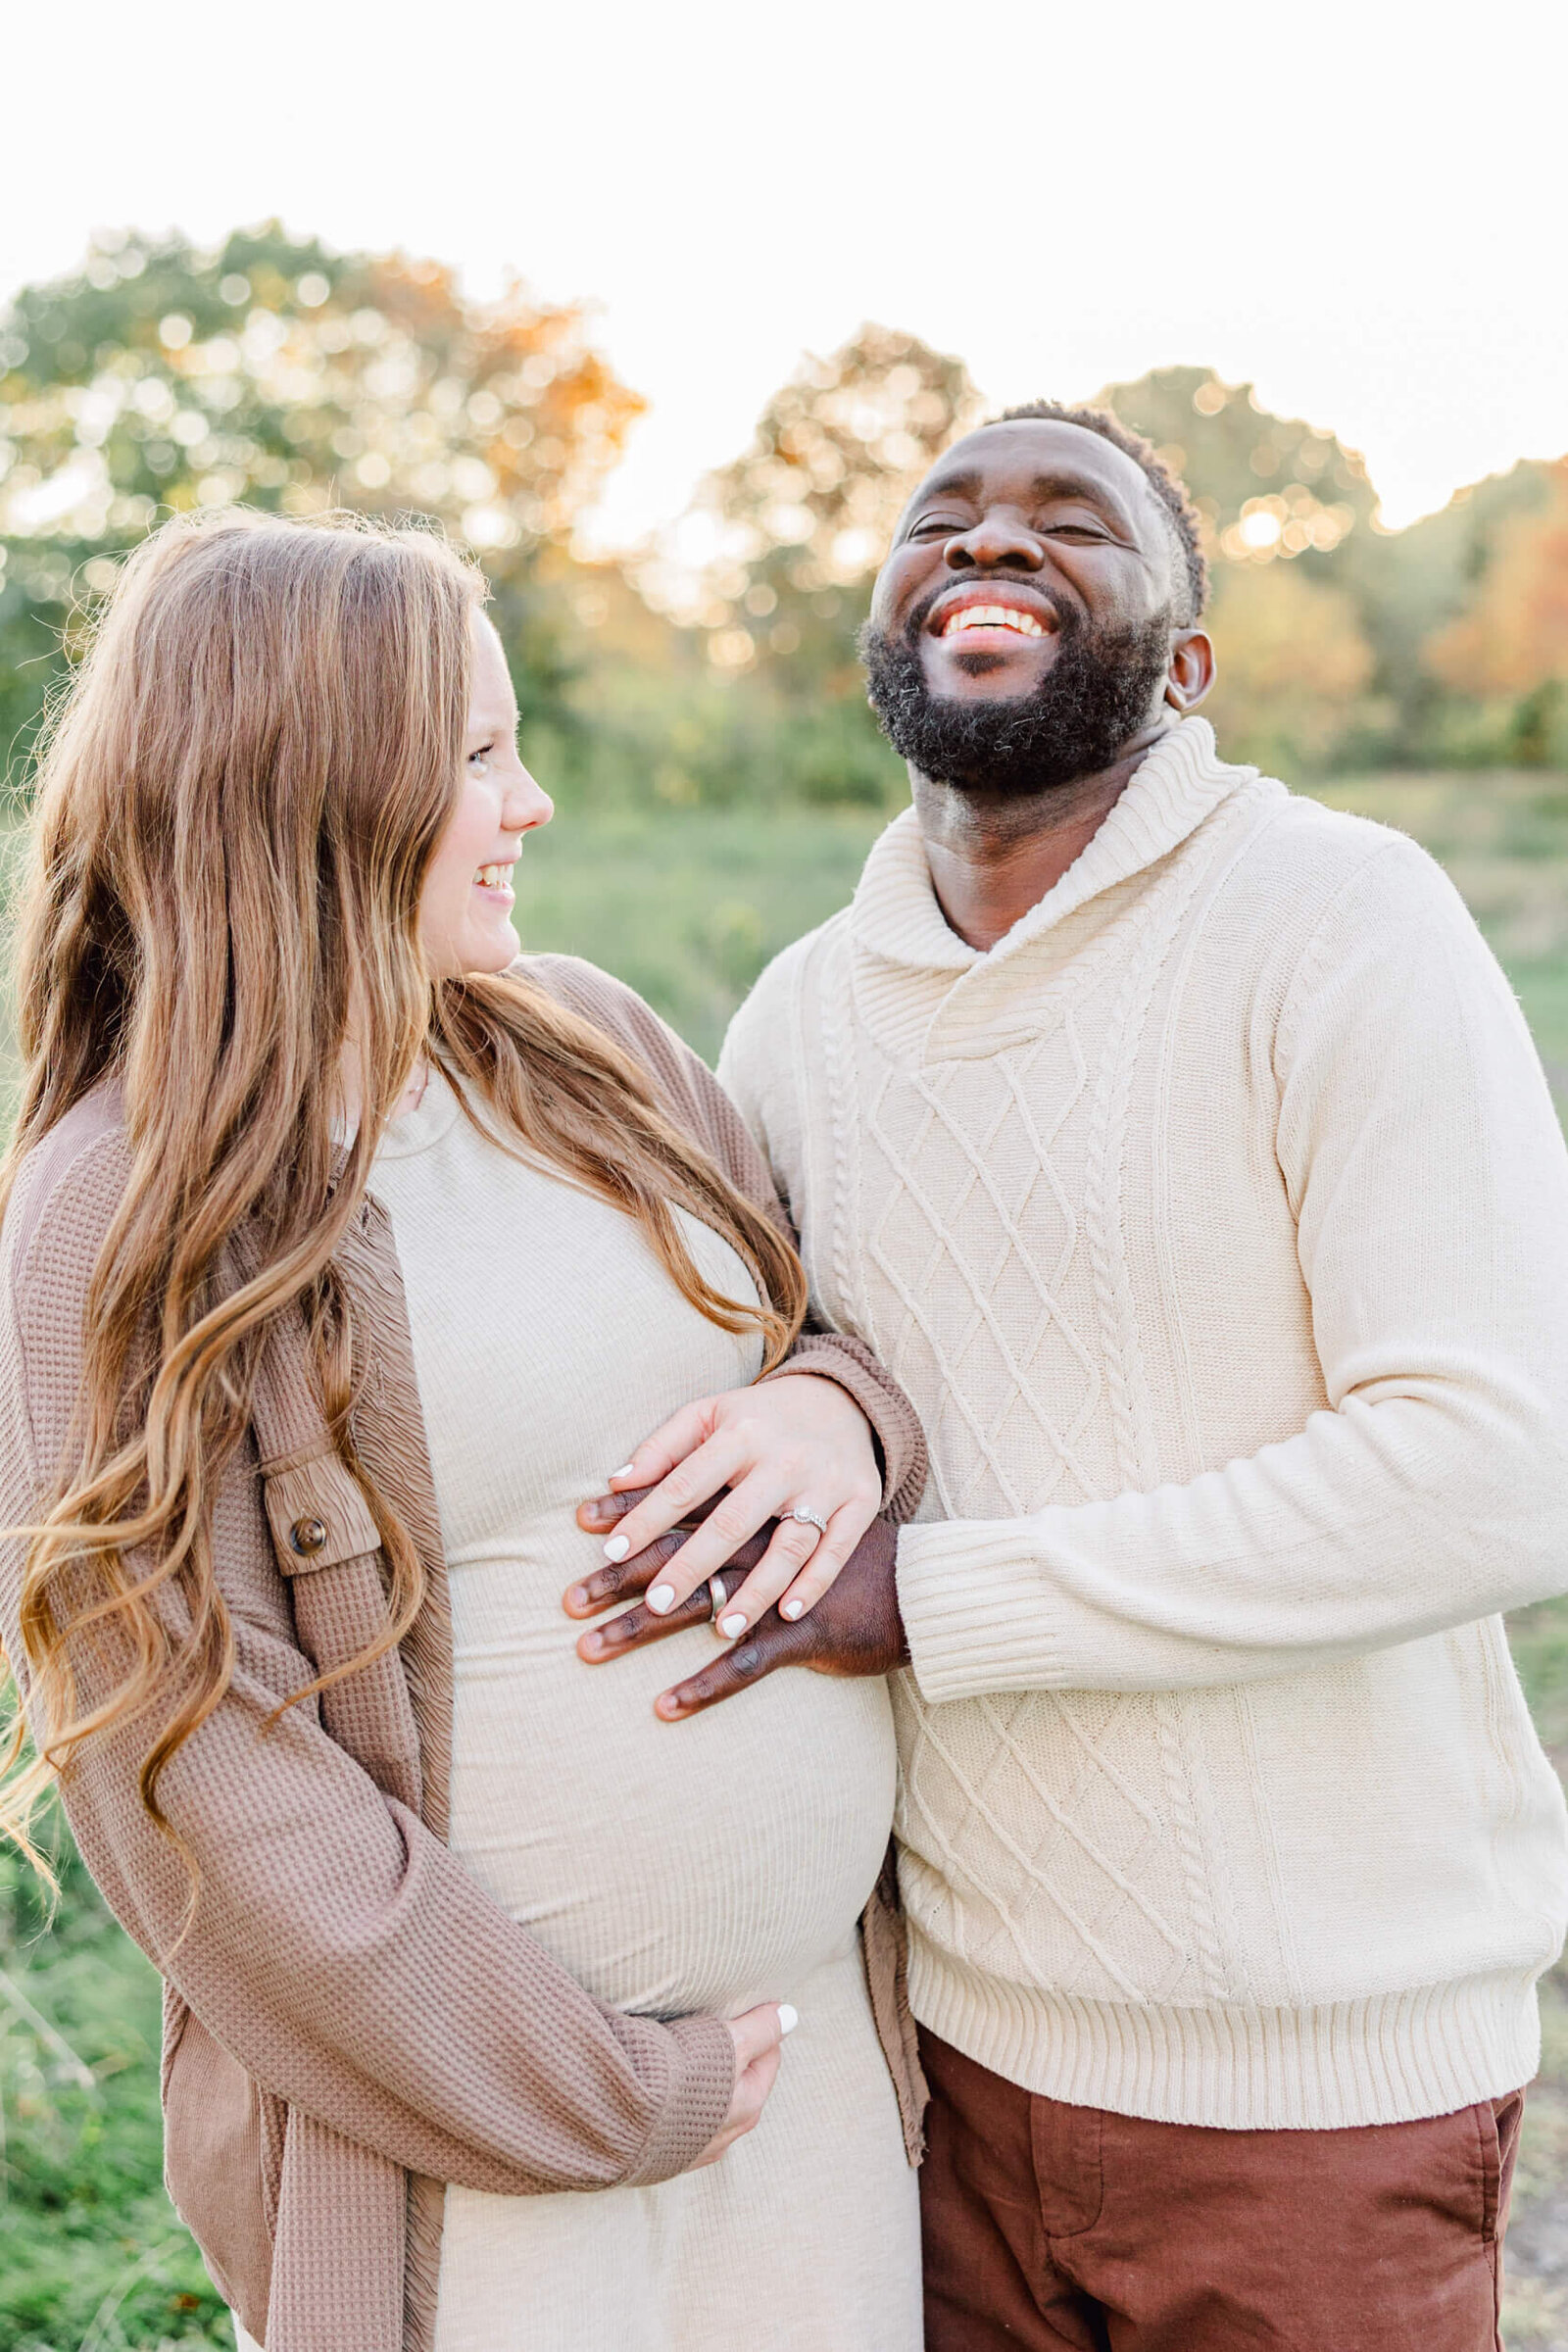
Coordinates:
1275 495
770 571
1267 486
1509 649
161 378
1410 586
789 535
1294 668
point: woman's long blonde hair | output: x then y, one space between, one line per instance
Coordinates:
238 803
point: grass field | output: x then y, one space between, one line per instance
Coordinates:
686 906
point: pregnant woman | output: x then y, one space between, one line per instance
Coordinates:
345 1255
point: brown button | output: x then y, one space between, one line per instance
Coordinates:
307 1536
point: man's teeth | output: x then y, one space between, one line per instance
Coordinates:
991 616
493 877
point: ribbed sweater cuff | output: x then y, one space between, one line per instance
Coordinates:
697 2098
977 1614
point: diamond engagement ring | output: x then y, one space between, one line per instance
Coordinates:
809 1518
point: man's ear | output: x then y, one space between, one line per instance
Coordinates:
1192 671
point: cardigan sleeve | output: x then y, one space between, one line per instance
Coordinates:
711 1118
1427 1172
335 1947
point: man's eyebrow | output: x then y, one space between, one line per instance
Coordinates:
948 485
1061 482
1087 486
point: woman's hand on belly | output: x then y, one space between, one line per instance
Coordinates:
758 2036
800 1442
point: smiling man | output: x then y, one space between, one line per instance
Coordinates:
1178 1145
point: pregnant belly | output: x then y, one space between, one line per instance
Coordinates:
672 1867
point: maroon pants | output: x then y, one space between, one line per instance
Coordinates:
1048 2225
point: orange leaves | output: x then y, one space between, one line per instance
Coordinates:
1514 638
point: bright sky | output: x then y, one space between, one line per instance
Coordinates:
1360 206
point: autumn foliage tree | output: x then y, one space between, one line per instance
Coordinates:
160 378
798 525
1510 646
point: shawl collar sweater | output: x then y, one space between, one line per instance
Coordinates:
1217 1223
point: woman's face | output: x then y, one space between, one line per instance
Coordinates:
466 907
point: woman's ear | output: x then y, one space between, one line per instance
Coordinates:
1192 671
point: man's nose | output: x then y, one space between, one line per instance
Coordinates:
1002 538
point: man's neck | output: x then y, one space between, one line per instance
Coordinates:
993 855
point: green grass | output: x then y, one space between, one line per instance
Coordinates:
91 2253
687 905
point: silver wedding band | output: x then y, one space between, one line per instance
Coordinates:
717 1594
809 1518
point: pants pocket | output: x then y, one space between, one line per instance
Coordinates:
1486 2119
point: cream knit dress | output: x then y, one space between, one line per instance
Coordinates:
700 1866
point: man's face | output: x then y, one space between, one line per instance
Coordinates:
1022 625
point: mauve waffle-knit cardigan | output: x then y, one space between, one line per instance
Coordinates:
350 2022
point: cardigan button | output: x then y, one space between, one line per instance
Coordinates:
307 1536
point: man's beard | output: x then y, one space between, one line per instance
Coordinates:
1091 702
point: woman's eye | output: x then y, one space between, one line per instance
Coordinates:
479 761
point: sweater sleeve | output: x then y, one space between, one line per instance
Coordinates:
1427 1172
710 1117
335 1947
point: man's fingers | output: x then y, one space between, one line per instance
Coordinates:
607 1587
768 1646
604 1513
635 1628
618 1579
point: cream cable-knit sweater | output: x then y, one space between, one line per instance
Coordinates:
1216 1222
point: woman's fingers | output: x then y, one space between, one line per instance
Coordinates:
732 1522
761 2029
797 1568
671 1443
758 2036
681 1496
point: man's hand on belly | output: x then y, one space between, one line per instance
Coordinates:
791 1458
855 1629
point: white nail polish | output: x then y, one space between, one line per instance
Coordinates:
789 2017
623 1472
791 1609
732 1626
617 1548
662 1598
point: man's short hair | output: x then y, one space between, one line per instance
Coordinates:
1167 487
